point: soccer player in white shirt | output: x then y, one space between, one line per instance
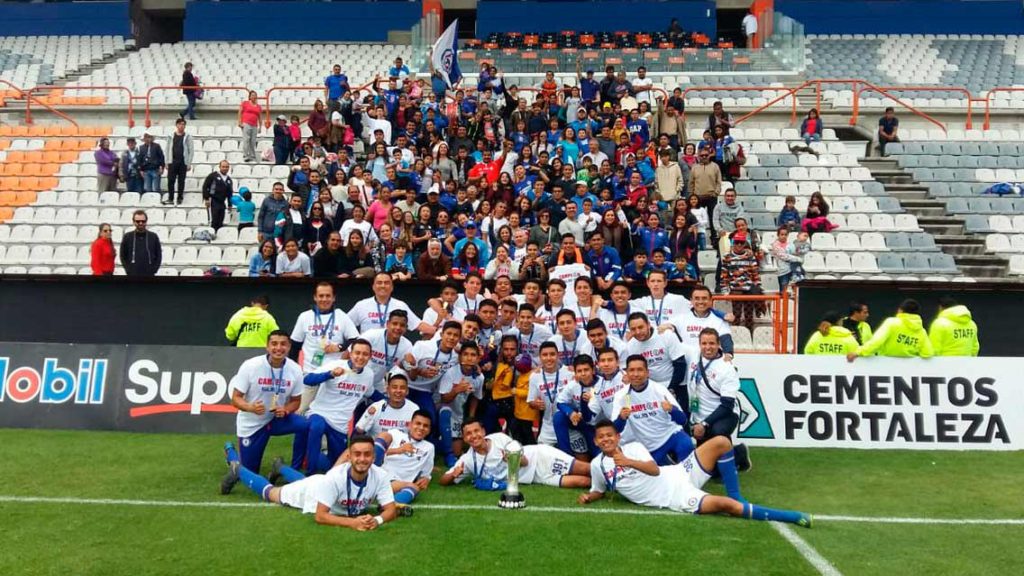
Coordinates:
599 339
630 470
394 413
342 495
441 310
322 331
343 385
555 302
545 384
667 357
459 384
485 462
321 334
570 340
529 334
573 412
409 457
688 324
581 301
389 347
266 393
609 380
373 312
469 301
427 361
659 305
651 414
713 395
615 314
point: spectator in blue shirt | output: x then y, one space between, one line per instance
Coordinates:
242 201
337 85
590 90
388 96
604 261
637 126
399 70
637 270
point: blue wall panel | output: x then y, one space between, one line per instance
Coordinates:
499 16
65 18
299 21
906 16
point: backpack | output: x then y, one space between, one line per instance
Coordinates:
203 235
199 91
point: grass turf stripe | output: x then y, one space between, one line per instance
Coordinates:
486 508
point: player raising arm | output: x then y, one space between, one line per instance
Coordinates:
631 471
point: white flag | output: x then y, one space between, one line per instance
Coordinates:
445 55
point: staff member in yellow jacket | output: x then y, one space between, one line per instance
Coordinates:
831 339
251 326
901 336
953 332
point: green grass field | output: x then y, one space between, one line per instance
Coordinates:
475 537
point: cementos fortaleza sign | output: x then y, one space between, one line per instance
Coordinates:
117 387
935 404
786 401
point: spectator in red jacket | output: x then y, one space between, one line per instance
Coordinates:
102 252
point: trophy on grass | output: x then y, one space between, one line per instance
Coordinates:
512 498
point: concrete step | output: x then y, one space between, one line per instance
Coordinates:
905 196
986 272
962 249
924 211
942 225
911 187
875 163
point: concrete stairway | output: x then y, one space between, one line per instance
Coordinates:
968 251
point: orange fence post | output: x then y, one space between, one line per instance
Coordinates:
149 94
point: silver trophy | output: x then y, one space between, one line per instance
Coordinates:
512 498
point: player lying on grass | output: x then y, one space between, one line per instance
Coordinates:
340 497
631 471
486 463
408 456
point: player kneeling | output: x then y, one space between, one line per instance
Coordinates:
486 463
341 496
631 471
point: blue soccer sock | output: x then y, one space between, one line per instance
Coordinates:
380 449
755 512
406 495
730 477
445 423
290 474
258 484
230 454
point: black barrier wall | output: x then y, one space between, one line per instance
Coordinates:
997 309
117 387
179 311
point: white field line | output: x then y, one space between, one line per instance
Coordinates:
495 508
823 566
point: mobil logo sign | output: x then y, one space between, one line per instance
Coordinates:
81 381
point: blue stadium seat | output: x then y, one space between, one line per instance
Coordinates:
889 262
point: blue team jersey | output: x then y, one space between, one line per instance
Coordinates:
335 84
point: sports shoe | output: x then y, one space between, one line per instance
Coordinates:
743 461
275 470
403 510
231 478
806 520
177 202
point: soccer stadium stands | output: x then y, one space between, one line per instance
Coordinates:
28 61
256 65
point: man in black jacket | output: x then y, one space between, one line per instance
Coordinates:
151 164
217 192
140 248
327 260
271 207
